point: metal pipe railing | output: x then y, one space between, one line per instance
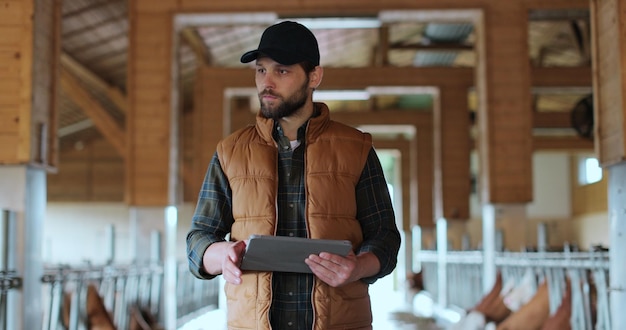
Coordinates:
120 287
586 271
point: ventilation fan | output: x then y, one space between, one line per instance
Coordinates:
582 117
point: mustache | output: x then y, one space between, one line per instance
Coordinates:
268 92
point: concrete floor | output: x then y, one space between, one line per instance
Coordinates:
392 310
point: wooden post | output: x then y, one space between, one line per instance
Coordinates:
451 131
609 63
29 52
505 124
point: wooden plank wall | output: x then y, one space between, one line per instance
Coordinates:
93 172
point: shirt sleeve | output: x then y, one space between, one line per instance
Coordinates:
377 218
212 219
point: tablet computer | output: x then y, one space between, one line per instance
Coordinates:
287 254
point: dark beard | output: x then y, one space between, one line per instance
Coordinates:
288 106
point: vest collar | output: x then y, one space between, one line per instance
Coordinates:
315 125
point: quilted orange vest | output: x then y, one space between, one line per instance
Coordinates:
334 159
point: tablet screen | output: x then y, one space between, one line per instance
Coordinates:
287 254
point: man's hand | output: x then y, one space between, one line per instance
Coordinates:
232 261
334 269
228 256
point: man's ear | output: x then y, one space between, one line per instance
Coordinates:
315 77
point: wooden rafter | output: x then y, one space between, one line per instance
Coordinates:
107 125
115 94
191 37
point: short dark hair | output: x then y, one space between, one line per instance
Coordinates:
307 66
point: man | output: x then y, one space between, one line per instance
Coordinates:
295 173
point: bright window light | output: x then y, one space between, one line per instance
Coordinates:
341 95
589 170
338 22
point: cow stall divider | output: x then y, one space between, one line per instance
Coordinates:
122 288
587 272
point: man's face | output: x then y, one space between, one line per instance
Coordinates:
283 89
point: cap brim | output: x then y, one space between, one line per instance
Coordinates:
278 55
249 56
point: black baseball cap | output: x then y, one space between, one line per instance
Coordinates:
287 43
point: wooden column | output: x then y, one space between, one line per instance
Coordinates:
29 52
504 140
149 119
451 134
505 123
609 78
152 148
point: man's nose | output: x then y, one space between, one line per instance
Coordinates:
267 81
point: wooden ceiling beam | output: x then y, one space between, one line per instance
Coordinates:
561 76
438 46
552 120
191 37
106 124
115 94
348 7
385 118
347 78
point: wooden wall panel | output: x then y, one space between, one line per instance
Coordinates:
609 62
107 180
94 173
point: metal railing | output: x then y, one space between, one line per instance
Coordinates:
587 272
120 287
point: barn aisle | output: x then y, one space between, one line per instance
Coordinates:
390 308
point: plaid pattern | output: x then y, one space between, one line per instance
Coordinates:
291 300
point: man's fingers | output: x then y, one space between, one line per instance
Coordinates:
230 266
